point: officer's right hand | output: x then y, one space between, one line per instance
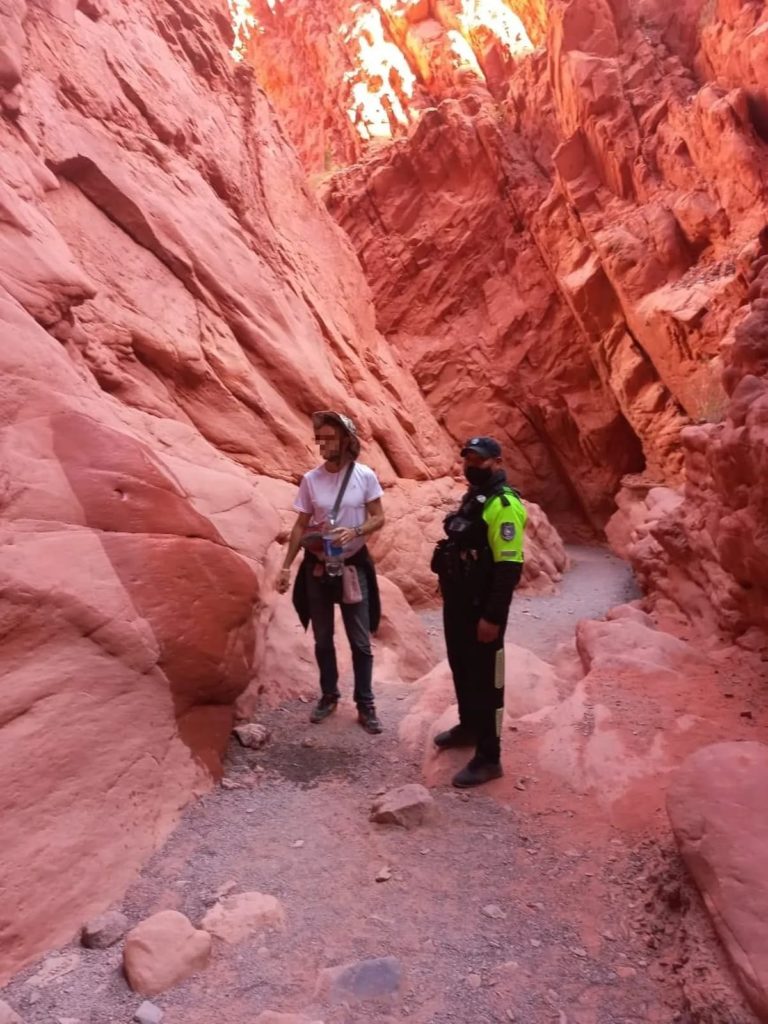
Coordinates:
283 581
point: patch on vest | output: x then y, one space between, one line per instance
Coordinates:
508 531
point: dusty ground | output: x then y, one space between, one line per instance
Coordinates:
599 925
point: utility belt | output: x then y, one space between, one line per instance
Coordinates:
461 570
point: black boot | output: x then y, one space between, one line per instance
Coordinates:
458 736
324 707
477 772
368 718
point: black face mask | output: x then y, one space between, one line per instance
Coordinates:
478 476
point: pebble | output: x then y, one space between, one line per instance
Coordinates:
252 735
384 874
474 980
148 1013
493 911
364 979
535 943
297 845
578 951
104 931
520 784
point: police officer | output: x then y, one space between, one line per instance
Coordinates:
479 564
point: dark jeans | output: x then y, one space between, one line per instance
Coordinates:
478 676
323 596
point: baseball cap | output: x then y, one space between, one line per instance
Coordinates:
488 447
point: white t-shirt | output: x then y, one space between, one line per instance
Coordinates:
317 496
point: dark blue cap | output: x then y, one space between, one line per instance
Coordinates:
488 447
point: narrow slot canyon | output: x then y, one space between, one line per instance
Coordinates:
543 222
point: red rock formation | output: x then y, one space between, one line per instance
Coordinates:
703 552
716 804
173 303
554 247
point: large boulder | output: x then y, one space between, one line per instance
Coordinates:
718 810
162 951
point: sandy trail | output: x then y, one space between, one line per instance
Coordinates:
569 946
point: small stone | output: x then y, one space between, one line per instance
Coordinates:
252 735
610 936
363 979
148 1013
578 951
297 844
104 931
535 943
8 1015
308 742
572 853
464 796
520 784
474 980
231 784
68 1020
493 911
511 1015
225 887
234 918
624 971
424 851
163 950
384 874
407 806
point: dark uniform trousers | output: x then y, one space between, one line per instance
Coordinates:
478 675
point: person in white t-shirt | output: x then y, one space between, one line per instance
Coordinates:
316 591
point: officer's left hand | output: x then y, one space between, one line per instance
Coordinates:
487 632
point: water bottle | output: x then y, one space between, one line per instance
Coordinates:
334 563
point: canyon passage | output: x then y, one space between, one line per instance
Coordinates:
540 220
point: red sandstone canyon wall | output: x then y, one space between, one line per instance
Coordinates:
555 235
173 303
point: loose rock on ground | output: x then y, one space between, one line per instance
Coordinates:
163 950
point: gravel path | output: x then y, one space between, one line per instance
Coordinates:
596 581
561 945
